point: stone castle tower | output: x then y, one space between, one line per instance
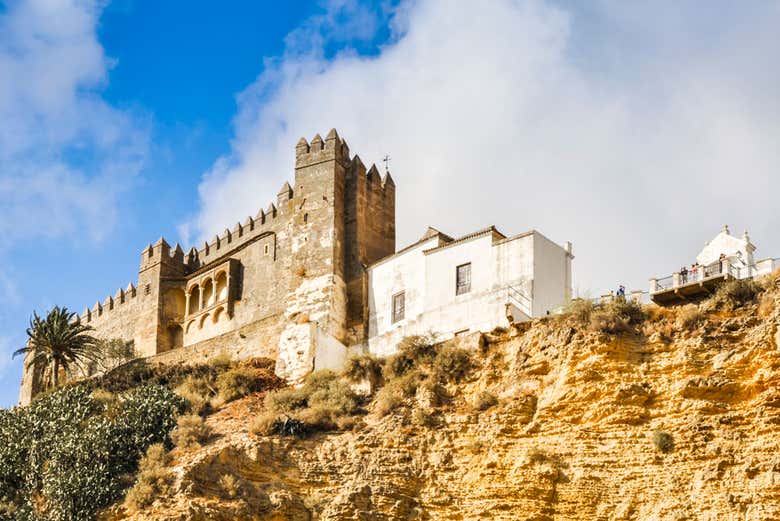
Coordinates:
288 284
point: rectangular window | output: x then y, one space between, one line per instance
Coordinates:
463 279
265 250
399 306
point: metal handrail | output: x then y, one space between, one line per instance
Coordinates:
519 298
715 269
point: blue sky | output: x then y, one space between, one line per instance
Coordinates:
636 131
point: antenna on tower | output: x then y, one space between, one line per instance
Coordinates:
386 160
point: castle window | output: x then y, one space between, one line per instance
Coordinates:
148 289
305 217
399 306
265 250
463 279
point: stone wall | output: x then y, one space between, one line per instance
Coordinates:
250 289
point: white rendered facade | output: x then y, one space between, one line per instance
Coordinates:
507 278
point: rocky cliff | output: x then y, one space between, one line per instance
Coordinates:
675 418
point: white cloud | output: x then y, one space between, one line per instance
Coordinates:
634 132
65 154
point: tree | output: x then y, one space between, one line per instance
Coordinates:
58 342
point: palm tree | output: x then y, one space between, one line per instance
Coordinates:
58 342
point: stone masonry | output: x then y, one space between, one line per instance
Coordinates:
277 286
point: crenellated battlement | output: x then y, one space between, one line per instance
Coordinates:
111 303
319 150
161 253
273 284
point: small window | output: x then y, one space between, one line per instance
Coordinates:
399 306
265 250
463 279
148 289
305 218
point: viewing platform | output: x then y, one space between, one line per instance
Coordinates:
704 280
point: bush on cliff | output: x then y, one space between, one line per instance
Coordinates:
68 454
734 294
325 402
617 316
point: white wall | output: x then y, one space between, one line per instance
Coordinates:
427 274
552 275
728 245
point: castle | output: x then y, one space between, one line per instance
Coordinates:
316 275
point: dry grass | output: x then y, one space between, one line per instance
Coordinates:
191 431
734 294
325 402
766 305
231 486
244 379
154 479
388 399
197 391
580 310
689 317
617 317
265 424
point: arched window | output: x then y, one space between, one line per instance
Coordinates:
208 293
194 299
222 287
218 314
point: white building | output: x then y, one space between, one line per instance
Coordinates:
478 282
724 257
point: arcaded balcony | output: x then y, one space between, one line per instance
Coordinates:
700 281
209 296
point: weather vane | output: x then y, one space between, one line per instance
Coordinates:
386 159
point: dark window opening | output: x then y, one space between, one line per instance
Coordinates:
399 306
463 279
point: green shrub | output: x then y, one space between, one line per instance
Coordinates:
397 365
364 367
452 364
236 383
418 347
65 458
663 441
190 432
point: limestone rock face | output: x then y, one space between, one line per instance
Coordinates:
573 437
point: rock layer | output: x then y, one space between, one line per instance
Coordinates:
572 437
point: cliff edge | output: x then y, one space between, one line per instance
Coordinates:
671 415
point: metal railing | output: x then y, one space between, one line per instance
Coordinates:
665 283
716 269
519 299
